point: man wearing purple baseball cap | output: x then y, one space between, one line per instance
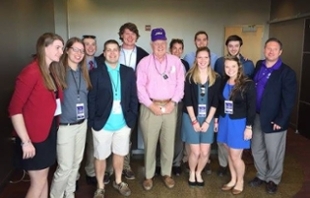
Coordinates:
160 83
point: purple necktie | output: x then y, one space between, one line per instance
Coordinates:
91 65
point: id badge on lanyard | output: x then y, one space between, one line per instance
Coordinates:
117 108
80 111
228 107
202 110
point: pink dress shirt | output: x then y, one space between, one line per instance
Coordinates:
151 83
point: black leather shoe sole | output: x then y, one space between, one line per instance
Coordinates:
200 184
192 184
256 182
271 187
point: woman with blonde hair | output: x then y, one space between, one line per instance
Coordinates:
34 110
71 135
236 113
201 100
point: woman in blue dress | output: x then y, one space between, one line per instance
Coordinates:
236 113
201 99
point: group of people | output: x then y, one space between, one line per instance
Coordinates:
67 97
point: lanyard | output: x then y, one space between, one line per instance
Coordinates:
78 87
115 86
125 59
166 65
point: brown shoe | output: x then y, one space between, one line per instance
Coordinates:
236 191
169 182
122 188
99 193
225 187
147 184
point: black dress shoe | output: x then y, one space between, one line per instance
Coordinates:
192 184
176 170
256 182
91 180
222 171
271 187
158 171
200 184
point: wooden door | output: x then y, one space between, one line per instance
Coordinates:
252 40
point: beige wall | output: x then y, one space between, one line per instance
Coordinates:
179 18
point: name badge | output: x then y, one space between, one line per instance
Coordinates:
202 110
117 108
80 111
58 107
228 107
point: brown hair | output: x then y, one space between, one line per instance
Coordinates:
193 73
240 80
174 41
64 59
43 41
111 41
130 26
201 32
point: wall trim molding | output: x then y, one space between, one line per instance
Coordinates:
297 16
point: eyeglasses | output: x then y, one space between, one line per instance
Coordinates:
89 36
76 50
202 90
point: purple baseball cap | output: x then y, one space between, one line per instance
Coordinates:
158 34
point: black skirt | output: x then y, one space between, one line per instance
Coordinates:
45 152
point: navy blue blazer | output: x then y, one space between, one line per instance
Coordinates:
278 98
243 103
100 97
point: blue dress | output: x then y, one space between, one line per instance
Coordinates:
188 134
231 131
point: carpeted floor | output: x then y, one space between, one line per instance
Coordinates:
291 184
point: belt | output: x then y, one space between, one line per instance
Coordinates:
73 123
161 101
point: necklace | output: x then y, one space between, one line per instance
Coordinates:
164 74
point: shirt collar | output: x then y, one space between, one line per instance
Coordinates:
276 66
134 49
109 68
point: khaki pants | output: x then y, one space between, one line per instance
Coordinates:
70 150
156 128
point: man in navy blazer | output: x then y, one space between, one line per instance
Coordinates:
276 88
113 110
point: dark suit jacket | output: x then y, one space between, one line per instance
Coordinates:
141 53
100 97
191 95
278 98
243 104
186 65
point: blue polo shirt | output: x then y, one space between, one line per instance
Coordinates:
116 119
